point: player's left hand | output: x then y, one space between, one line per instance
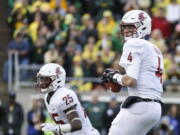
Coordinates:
49 127
108 75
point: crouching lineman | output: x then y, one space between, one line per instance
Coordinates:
62 103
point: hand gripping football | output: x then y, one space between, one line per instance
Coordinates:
114 87
107 79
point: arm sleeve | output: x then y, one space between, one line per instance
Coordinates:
131 59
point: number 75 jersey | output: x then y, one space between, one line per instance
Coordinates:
63 99
143 61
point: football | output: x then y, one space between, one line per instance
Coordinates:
114 87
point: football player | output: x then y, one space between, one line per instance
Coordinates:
62 103
143 63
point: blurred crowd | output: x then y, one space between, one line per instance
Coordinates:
83 35
101 114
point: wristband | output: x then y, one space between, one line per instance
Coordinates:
65 128
118 78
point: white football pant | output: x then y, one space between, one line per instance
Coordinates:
138 119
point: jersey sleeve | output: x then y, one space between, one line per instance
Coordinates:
68 100
131 58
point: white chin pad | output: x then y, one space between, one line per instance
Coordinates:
127 38
44 90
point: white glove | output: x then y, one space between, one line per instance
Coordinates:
50 127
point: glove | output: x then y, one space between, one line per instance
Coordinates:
50 127
108 75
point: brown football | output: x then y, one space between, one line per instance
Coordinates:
114 87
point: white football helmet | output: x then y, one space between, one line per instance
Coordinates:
140 20
50 77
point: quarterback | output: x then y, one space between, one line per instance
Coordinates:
143 63
62 103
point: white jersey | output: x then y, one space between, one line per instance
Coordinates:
144 62
63 99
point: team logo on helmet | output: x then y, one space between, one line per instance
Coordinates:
141 17
58 71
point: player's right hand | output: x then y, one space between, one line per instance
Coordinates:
49 127
108 75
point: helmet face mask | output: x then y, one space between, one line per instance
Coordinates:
43 82
50 77
128 31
